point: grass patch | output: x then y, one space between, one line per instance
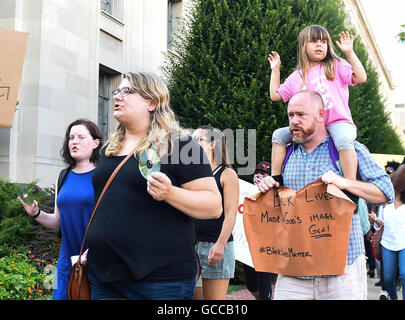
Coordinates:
235 287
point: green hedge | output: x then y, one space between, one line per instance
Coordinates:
17 230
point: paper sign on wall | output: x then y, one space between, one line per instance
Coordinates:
301 233
12 53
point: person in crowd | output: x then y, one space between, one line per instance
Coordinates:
141 239
74 200
321 70
379 264
392 216
398 177
371 261
390 168
258 283
215 249
309 161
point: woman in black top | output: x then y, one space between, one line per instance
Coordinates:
141 238
214 236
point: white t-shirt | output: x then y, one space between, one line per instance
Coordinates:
393 237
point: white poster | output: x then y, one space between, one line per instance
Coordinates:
242 252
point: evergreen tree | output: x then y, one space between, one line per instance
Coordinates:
220 75
401 35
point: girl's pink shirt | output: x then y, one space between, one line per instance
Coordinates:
335 94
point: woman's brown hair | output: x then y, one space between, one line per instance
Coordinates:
94 132
220 149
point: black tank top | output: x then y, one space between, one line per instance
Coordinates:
208 230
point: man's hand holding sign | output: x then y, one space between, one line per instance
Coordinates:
302 233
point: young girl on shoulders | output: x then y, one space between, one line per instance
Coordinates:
321 70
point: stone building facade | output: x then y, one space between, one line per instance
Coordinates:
77 52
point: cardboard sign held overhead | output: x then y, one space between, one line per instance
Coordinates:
12 53
303 233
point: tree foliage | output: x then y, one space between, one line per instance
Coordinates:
220 74
401 35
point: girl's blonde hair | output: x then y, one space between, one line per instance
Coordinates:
163 121
314 33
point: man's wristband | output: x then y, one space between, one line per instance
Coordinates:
36 215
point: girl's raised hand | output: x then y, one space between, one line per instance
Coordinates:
346 42
274 60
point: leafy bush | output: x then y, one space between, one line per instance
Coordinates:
23 277
17 230
14 222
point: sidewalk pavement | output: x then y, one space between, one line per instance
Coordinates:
373 292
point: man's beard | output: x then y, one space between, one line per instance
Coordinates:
304 133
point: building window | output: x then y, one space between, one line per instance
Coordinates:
174 14
113 8
104 102
108 80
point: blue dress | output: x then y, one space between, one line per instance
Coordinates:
75 203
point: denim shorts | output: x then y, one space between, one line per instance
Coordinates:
223 270
343 135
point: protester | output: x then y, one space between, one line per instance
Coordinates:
214 247
390 168
320 69
371 261
141 240
392 216
74 200
258 283
398 177
310 160
379 264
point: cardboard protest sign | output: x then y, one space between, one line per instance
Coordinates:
303 233
12 53
241 246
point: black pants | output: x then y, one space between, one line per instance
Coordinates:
369 255
259 281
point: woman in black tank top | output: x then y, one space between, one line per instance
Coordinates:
214 236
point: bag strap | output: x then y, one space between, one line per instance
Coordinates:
62 177
216 170
288 154
334 154
99 199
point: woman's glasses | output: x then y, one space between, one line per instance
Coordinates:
198 139
124 91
